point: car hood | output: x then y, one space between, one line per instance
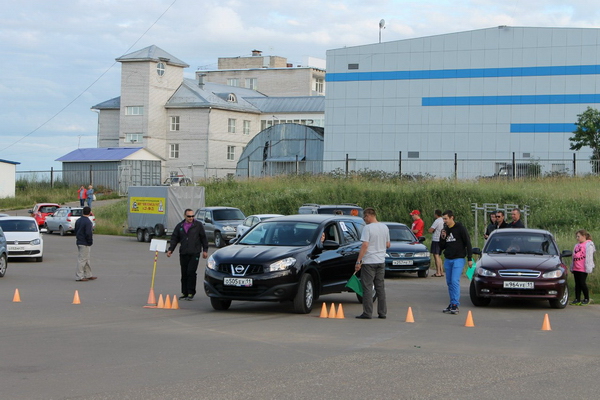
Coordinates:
518 261
21 236
254 254
406 247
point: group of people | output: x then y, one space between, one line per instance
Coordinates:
497 221
84 195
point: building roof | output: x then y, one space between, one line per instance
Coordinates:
152 53
112 104
99 154
192 94
301 104
9 162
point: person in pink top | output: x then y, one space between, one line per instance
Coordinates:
583 264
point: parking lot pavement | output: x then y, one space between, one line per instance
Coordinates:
111 347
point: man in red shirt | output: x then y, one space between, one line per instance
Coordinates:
418 225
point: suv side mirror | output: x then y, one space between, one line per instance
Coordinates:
477 250
207 220
566 253
421 239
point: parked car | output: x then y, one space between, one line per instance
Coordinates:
41 210
23 238
220 223
337 209
3 254
284 259
178 180
63 220
252 220
520 263
406 253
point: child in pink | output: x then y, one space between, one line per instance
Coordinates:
583 264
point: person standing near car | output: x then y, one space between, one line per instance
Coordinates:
456 243
84 236
492 225
90 195
418 225
515 216
582 265
436 229
375 240
82 195
500 222
190 236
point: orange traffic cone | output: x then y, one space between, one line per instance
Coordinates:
469 322
332 311
340 312
546 324
16 297
151 298
409 315
323 311
76 298
175 304
167 301
161 302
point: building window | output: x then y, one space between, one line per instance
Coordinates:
413 154
251 83
233 82
231 153
175 123
160 69
134 110
559 168
231 98
246 127
174 150
134 137
231 125
319 85
352 66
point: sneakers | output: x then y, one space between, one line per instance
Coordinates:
584 302
447 309
183 297
454 309
190 297
576 302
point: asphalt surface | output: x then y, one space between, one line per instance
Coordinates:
111 347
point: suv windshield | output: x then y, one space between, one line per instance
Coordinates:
281 234
521 243
224 215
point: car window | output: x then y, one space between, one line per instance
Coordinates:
229 214
399 233
526 243
349 231
18 225
332 233
48 209
281 234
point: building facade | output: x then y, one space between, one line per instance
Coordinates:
484 96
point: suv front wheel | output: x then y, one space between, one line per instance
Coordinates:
303 301
218 240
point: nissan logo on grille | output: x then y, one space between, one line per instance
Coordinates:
239 269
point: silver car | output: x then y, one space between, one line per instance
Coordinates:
3 254
64 218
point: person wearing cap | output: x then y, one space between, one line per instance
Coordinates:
418 226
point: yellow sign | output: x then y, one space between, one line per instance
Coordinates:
147 205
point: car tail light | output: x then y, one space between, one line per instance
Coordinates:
69 217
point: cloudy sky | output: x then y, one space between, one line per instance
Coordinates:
59 56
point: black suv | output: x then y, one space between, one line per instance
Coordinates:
296 257
337 209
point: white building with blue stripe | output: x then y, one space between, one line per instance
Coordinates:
482 96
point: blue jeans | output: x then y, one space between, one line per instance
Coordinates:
454 268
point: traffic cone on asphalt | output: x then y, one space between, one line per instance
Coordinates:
161 302
340 312
469 322
324 312
76 298
175 304
167 301
409 315
16 297
546 324
332 311
151 298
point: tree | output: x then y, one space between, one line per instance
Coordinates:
588 134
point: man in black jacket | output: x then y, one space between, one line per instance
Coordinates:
455 242
84 240
190 235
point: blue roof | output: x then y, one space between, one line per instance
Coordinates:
100 154
9 162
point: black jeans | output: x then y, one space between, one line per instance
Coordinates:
189 266
580 285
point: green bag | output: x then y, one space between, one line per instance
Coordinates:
471 269
355 284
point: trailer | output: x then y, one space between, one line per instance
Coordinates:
154 211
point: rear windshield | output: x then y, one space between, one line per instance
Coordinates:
77 212
13 225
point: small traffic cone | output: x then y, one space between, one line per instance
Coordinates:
340 312
151 298
332 311
175 304
323 312
409 315
546 324
16 297
76 298
161 302
167 301
469 322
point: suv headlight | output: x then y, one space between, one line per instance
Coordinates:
281 265
485 272
422 254
557 273
228 228
36 242
211 264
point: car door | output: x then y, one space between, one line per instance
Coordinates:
337 265
209 225
52 220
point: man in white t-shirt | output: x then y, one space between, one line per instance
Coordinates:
375 240
436 229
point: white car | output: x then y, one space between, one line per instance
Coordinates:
23 238
64 218
252 220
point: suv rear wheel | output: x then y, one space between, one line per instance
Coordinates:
303 301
